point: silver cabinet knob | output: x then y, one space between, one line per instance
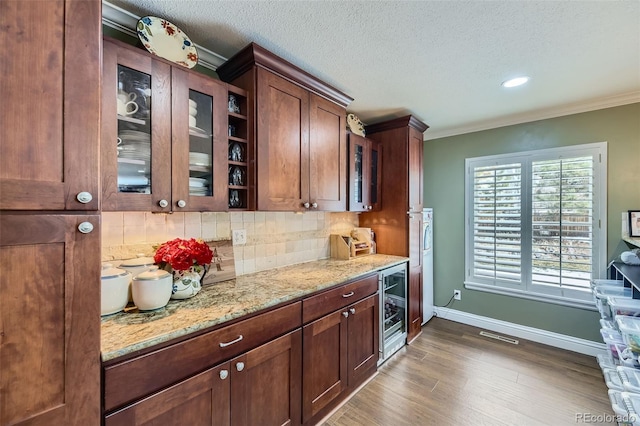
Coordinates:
163 203
224 374
182 203
85 227
345 314
369 207
84 197
352 310
314 205
240 366
306 205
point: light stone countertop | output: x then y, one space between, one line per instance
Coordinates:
127 332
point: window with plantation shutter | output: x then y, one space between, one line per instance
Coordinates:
535 223
497 233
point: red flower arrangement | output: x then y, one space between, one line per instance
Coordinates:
181 254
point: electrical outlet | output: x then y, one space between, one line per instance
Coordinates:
457 294
239 237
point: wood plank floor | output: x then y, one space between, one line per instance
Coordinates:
450 375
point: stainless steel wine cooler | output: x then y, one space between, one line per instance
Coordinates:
393 312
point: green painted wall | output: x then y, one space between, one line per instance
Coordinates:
444 191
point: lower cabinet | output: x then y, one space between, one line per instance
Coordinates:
340 351
261 386
263 370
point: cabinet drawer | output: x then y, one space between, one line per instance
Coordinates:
316 306
135 378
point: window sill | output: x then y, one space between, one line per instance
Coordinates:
588 305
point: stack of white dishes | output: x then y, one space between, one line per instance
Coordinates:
134 159
193 111
198 186
200 168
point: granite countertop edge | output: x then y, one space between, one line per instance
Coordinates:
129 332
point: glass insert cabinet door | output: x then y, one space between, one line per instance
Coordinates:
199 150
393 303
135 146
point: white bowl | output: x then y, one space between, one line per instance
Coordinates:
630 257
114 289
192 121
152 289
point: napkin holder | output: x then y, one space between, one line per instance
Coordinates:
345 247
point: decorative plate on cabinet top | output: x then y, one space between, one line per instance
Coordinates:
355 125
164 39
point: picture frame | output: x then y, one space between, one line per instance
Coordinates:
634 223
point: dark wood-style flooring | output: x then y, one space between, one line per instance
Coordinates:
450 375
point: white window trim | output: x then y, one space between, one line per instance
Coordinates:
582 300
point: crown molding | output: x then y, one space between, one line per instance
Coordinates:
542 114
125 22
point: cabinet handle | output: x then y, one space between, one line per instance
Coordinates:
163 203
84 197
352 310
314 205
369 207
85 227
345 314
240 366
182 203
348 294
306 205
224 345
224 374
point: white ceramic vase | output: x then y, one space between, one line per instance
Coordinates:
187 283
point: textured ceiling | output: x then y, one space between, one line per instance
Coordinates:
442 61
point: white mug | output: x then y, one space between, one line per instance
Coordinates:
127 108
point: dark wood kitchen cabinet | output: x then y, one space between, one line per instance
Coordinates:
49 124
365 174
341 348
398 224
261 386
164 133
49 221
49 319
248 372
300 130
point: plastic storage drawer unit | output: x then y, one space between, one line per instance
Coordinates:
630 329
624 306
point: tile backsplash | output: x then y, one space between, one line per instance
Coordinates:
273 238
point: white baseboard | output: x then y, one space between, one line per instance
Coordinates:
550 338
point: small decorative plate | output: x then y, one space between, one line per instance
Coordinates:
164 39
355 125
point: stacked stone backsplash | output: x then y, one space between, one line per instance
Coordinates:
274 239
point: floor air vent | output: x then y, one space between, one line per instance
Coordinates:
498 337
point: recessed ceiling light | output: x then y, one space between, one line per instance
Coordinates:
518 81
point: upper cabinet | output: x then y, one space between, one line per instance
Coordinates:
49 125
365 171
164 135
300 133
